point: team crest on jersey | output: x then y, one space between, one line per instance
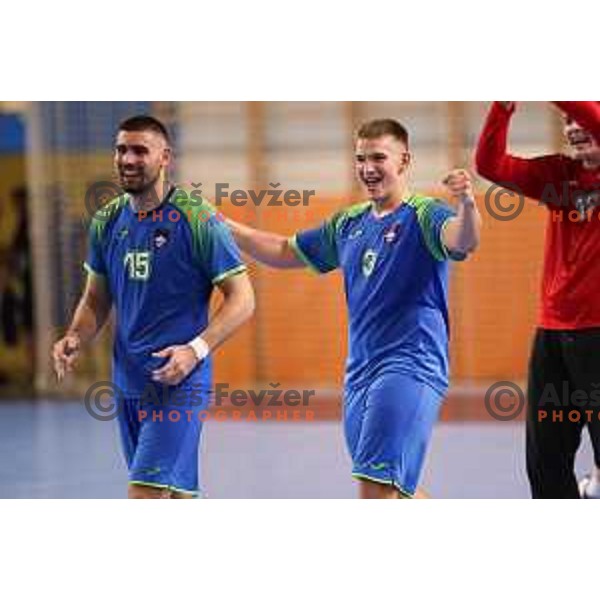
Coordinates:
160 238
391 233
355 233
368 262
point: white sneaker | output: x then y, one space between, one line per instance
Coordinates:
583 487
587 490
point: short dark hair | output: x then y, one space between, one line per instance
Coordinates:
379 127
145 123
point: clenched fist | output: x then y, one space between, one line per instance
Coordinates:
460 186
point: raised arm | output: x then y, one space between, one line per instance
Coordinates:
462 233
529 176
271 249
91 314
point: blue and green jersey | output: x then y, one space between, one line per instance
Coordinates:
395 271
160 271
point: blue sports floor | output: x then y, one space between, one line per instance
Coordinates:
54 449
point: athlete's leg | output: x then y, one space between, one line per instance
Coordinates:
354 412
146 492
371 490
166 456
584 365
421 494
182 496
397 422
353 416
129 428
551 442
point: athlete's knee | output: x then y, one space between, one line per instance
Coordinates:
422 494
146 492
182 496
372 490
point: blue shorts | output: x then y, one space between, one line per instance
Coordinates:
161 440
388 424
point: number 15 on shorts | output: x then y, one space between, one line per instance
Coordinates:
137 265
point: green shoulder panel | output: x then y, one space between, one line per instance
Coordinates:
351 212
105 215
335 223
197 217
97 227
330 229
424 207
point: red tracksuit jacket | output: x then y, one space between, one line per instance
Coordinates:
571 278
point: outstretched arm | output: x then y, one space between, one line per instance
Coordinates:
529 176
269 248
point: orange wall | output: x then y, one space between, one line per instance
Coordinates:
494 298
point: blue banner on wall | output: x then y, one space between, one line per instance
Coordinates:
12 134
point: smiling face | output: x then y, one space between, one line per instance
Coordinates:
140 159
581 142
380 166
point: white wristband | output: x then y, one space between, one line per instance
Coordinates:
200 347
